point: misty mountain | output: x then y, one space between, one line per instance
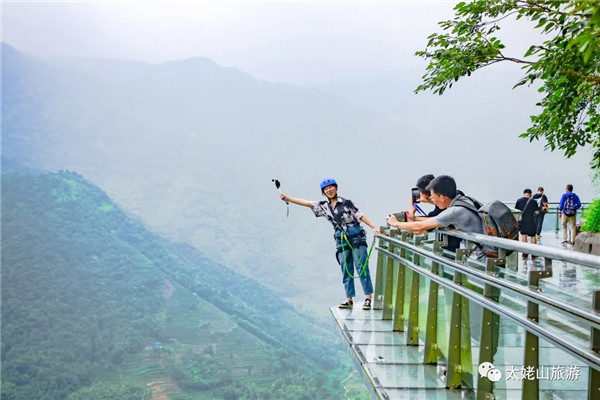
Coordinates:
190 148
88 292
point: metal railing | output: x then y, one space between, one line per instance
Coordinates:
496 286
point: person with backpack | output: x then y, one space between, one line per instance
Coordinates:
569 204
350 237
542 203
444 195
425 197
465 214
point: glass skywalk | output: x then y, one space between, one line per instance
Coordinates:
446 326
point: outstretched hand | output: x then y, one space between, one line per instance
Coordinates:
392 220
283 196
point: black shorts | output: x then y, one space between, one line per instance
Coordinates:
528 228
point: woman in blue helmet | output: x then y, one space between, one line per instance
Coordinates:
350 237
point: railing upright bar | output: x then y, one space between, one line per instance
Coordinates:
378 295
531 359
388 291
459 342
398 321
490 332
412 338
594 379
432 349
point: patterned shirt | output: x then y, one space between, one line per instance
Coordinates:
345 213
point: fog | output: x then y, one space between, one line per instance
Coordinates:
339 57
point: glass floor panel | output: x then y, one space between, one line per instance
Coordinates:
394 370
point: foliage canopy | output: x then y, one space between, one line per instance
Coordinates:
566 64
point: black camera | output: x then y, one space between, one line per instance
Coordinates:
401 216
416 195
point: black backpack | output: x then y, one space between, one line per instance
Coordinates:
497 219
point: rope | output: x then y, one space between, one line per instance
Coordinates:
364 265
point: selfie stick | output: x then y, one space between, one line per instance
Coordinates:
277 185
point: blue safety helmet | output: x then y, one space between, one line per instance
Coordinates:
328 182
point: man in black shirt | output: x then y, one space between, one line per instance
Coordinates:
527 225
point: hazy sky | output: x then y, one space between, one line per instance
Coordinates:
300 42
294 42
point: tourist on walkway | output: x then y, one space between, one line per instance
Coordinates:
569 204
527 225
350 237
542 203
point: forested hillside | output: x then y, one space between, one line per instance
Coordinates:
94 305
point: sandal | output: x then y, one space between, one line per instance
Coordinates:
347 304
367 304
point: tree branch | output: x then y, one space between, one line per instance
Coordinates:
538 7
594 79
515 60
499 19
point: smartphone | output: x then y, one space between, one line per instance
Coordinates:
416 195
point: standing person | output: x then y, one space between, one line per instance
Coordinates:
350 237
569 204
527 225
542 202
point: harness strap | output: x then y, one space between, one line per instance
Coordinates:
363 271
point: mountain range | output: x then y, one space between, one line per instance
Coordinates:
191 148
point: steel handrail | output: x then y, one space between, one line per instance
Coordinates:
534 295
583 259
588 356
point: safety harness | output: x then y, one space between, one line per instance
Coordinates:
359 239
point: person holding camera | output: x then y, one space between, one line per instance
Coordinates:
421 194
350 237
444 195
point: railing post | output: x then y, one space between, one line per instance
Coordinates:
398 322
594 381
432 349
459 345
388 290
531 387
412 338
378 297
490 331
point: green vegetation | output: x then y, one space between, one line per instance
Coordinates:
591 215
88 294
108 392
567 63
